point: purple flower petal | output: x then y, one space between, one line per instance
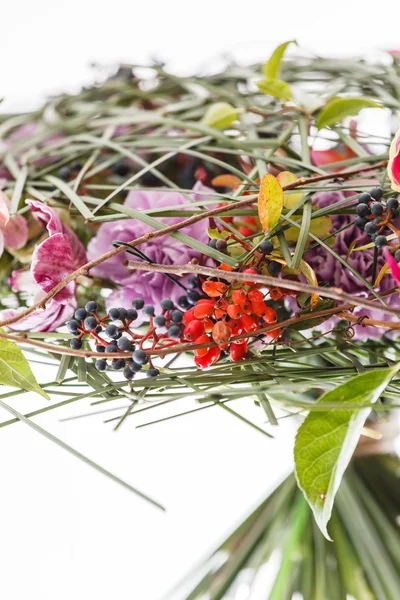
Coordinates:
52 261
16 232
55 315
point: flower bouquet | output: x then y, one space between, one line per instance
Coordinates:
217 237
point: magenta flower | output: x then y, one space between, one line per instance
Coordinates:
13 230
152 287
394 162
56 257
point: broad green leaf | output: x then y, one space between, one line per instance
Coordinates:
320 227
272 67
275 87
220 115
15 370
217 234
270 202
326 441
339 108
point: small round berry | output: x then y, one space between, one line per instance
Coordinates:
395 213
213 243
221 245
193 282
101 364
266 247
370 228
75 344
380 241
363 210
118 363
100 348
123 313
138 303
64 173
152 372
392 204
397 255
159 321
76 165
274 268
127 373
113 313
140 357
184 302
112 330
134 366
174 331
360 223
364 198
148 310
193 296
167 304
376 193
376 208
176 316
121 168
98 329
90 323
80 314
131 315
72 326
91 306
112 347
124 344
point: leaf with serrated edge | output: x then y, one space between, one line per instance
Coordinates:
270 202
326 441
339 108
15 370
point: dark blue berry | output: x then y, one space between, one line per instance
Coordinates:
221 245
121 168
148 310
138 303
392 204
274 268
80 314
91 306
360 222
363 210
134 366
364 198
152 372
167 304
117 363
72 326
370 228
140 357
64 173
76 166
112 330
376 208
75 344
124 344
101 364
98 329
380 241
184 302
159 321
123 313
376 193
212 243
128 374
193 281
174 331
90 323
112 348
131 315
397 255
395 213
113 313
266 247
176 316
193 296
100 348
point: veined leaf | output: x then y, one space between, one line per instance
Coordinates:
15 370
339 108
220 115
270 202
326 441
272 67
275 87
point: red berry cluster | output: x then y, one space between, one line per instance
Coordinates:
229 310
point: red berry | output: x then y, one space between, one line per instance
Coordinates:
213 289
275 293
250 271
208 359
188 316
208 325
256 296
194 330
221 333
239 297
235 327
234 311
203 309
203 339
274 334
238 350
259 308
248 323
270 316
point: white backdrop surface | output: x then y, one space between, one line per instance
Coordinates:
66 531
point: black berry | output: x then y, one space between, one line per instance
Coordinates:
364 198
91 306
152 372
193 281
128 373
72 326
221 245
184 302
193 296
266 247
113 313
392 204
363 210
274 268
213 243
167 304
100 348
80 314
376 208
90 323
124 344
370 228
159 321
101 364
140 357
380 241
131 314
148 310
174 331
376 193
64 173
75 344
360 222
176 316
118 363
111 348
112 330
138 303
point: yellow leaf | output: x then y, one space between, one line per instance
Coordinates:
289 199
220 115
311 278
381 274
320 227
270 202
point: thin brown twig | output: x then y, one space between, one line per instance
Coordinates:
84 269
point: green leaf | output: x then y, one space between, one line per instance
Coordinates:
339 108
220 115
275 87
270 202
272 67
326 441
15 370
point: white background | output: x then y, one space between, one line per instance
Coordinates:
66 531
